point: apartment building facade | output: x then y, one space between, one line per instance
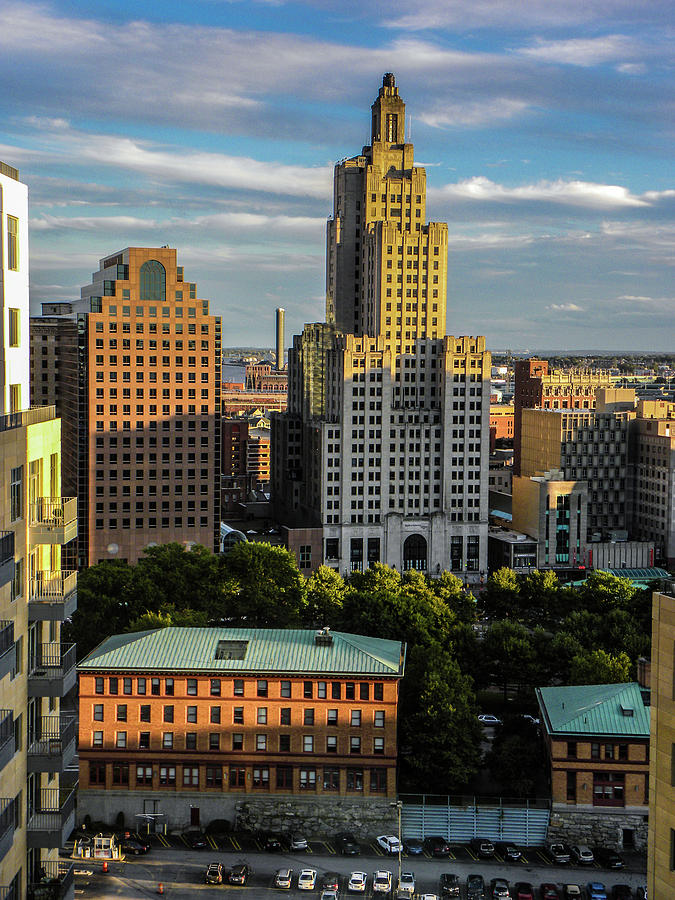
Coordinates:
189 723
652 475
37 670
383 453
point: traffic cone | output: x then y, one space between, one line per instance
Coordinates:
160 888
105 865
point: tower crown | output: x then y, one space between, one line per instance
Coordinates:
388 122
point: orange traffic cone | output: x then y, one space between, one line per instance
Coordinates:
105 865
160 888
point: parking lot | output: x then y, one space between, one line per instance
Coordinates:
180 870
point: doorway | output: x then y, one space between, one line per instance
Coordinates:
194 816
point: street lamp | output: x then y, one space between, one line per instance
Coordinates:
398 805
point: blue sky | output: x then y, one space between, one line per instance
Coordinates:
213 126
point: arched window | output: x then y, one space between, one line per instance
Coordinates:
415 553
153 281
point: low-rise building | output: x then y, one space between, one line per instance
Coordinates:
597 738
192 724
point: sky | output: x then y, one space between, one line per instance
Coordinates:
213 126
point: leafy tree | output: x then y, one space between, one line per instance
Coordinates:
539 596
508 654
450 589
500 598
170 573
600 667
325 593
106 602
516 758
168 616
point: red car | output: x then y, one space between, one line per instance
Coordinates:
523 890
549 892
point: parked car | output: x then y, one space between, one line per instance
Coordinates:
607 858
298 842
475 887
272 843
572 892
499 889
483 848
487 719
508 852
195 839
448 885
283 878
240 873
531 719
582 854
330 881
307 880
389 843
437 846
347 845
595 890
413 846
329 894
549 891
523 890
406 884
622 892
135 845
559 853
357 882
382 882
213 874
428 897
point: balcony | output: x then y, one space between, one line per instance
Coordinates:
6 557
7 824
51 744
53 520
51 670
53 596
7 648
49 825
56 882
7 747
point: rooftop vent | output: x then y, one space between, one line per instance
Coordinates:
231 649
627 710
323 637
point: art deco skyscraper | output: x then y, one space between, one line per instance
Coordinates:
382 455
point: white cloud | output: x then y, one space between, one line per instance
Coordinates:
581 51
47 222
569 193
473 114
565 307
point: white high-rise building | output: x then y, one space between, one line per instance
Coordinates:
14 371
383 453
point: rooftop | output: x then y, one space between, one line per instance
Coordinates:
259 650
595 709
9 171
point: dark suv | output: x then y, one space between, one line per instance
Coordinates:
240 873
483 848
448 885
347 844
437 846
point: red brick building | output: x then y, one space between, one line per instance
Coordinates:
183 722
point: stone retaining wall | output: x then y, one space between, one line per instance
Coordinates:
315 818
602 827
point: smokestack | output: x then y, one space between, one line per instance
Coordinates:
281 316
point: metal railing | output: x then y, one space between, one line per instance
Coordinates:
52 586
6 546
7 824
54 512
50 735
6 635
32 416
52 659
54 807
56 880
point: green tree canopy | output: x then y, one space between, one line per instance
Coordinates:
599 667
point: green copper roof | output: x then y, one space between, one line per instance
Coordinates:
257 650
588 709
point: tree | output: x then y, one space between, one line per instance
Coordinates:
169 617
508 654
600 667
106 603
325 592
538 596
500 598
186 578
516 758
262 586
450 589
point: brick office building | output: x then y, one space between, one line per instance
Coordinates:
187 723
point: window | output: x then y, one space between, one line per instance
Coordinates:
153 281
332 717
307 779
14 327
285 716
595 751
331 779
16 494
143 774
191 740
12 243
349 690
154 687
167 776
336 690
215 687
331 743
571 786
168 713
261 742
285 777
141 686
214 777
305 556
285 690
190 776
378 720
144 740
378 691
354 779
121 739
144 714
167 740
623 752
572 749
308 690
364 691
308 743
191 714
608 789
261 777
127 685
262 688
237 741
96 773
112 685
261 715
192 687
120 773
237 777
284 743
321 690
308 717
121 712
215 715
238 687
98 712
378 746
355 745
168 687
238 715
355 720
378 781
97 740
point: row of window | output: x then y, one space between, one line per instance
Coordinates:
263 715
307 743
176 327
601 750
237 686
285 777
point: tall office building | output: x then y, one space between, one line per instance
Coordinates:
37 810
382 455
149 382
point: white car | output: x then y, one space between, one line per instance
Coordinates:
298 842
406 884
389 843
428 897
487 719
329 894
307 880
382 882
283 878
583 855
357 882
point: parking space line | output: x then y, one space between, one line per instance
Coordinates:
235 843
184 841
328 847
471 854
544 858
163 841
212 842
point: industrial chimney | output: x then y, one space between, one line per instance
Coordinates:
281 316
